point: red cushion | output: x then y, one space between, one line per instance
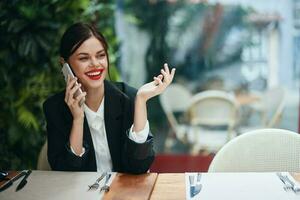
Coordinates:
177 163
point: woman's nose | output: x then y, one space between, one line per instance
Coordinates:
94 62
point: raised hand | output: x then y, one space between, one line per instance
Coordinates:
158 85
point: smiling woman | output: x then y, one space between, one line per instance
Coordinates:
110 131
89 62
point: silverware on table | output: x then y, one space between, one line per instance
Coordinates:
195 185
9 183
198 177
23 181
288 183
95 185
106 187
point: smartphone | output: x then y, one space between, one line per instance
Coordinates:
67 71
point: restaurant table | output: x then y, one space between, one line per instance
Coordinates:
171 186
57 185
152 186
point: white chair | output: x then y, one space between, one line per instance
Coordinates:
263 150
175 99
43 163
211 109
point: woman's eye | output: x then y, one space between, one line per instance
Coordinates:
101 55
83 58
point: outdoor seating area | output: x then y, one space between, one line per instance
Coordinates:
209 119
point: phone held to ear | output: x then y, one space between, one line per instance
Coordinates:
67 71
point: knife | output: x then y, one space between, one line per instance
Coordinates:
23 181
195 188
10 181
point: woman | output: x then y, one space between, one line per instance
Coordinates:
110 131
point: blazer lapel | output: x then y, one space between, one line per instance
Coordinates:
87 140
113 124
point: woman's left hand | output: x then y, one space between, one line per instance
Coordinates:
158 85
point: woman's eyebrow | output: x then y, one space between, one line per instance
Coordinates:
101 51
85 54
82 53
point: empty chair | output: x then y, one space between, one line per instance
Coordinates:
263 150
210 110
175 99
43 163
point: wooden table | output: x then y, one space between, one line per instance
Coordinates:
171 185
125 186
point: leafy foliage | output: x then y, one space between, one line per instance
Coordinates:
215 22
29 68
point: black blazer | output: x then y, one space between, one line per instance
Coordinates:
127 156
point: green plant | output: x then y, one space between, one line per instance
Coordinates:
29 68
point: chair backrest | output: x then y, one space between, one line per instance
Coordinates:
273 103
213 107
262 150
174 99
43 163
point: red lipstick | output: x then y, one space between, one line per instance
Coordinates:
94 74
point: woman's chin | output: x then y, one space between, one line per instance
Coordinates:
94 84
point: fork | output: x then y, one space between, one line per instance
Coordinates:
106 187
289 184
95 186
198 177
293 186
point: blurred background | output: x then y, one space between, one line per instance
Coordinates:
237 67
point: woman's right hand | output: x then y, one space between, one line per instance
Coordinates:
71 101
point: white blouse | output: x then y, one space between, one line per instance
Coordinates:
98 133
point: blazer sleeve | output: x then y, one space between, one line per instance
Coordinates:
137 157
60 156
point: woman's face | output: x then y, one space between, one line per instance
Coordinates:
89 63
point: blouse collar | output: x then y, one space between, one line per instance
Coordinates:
93 116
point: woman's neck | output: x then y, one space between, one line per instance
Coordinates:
94 98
